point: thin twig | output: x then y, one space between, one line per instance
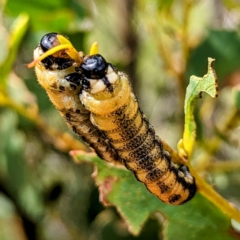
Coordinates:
61 140
224 166
208 192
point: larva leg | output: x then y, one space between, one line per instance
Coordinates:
59 78
114 110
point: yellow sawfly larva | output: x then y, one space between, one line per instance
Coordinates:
107 94
111 107
55 71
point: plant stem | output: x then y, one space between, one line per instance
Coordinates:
207 191
187 6
174 155
61 140
231 165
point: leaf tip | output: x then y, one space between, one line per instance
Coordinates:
212 71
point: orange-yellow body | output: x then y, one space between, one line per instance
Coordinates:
65 97
107 116
116 113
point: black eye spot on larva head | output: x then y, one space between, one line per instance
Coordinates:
49 41
94 67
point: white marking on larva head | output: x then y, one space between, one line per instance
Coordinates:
97 85
37 52
111 75
93 82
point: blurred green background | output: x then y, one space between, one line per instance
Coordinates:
44 195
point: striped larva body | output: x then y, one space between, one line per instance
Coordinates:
57 75
107 94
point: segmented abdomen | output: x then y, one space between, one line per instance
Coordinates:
65 97
116 113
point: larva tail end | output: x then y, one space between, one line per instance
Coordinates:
192 191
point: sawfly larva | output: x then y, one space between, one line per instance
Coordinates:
107 94
55 60
108 116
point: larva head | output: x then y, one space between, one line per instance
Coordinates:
98 75
56 52
94 67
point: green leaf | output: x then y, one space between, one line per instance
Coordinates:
48 16
161 5
197 85
15 174
217 45
197 219
17 31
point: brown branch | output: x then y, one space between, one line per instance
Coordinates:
63 141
